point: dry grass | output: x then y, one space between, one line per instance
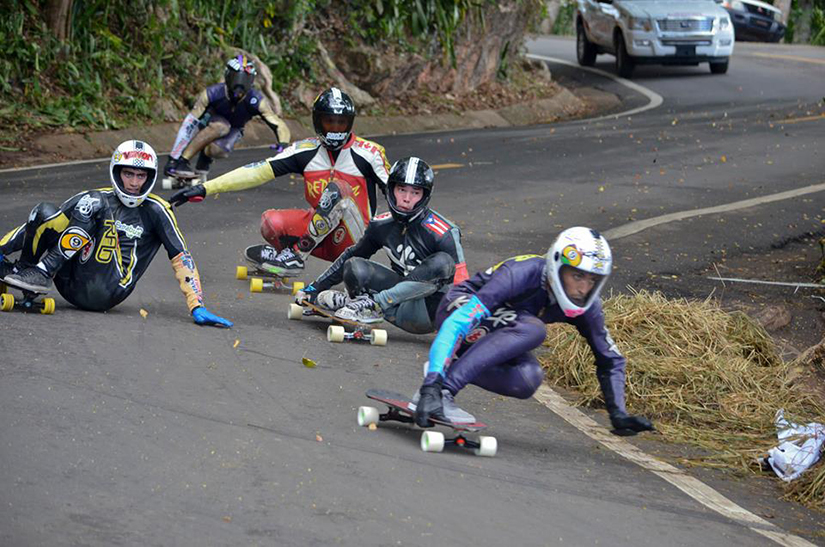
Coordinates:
706 377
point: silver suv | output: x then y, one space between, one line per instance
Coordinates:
664 32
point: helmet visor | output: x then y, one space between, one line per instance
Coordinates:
134 181
335 123
238 84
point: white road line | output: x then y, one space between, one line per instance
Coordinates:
694 488
639 225
654 98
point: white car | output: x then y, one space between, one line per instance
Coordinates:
665 32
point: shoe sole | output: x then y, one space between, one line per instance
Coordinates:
39 289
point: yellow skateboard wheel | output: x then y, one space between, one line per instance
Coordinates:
6 302
297 286
256 284
48 306
241 272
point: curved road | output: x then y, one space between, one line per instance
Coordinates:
120 430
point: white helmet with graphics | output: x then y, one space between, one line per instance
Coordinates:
137 155
584 250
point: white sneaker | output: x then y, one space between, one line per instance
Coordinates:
362 309
453 412
332 300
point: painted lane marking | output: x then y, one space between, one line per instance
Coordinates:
786 57
654 98
691 486
800 120
639 225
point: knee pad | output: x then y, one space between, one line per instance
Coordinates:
40 213
357 272
436 268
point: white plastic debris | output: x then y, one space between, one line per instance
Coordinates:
792 457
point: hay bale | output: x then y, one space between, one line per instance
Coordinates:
706 377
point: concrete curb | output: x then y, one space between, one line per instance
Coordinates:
99 144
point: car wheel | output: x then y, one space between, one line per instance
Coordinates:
719 68
585 49
624 62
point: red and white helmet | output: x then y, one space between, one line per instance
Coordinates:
584 249
138 155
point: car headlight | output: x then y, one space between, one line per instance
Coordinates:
736 5
724 23
640 23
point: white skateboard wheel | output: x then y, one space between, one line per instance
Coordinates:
166 184
295 312
256 284
241 272
379 337
488 448
335 333
297 286
367 415
432 441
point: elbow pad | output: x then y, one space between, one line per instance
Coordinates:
190 283
452 331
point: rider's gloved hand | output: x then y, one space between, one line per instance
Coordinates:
308 294
430 404
193 193
202 316
626 425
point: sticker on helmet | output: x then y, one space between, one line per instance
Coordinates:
571 256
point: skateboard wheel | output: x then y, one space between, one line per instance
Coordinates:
379 337
432 441
48 306
256 284
367 415
488 448
241 272
166 184
335 333
6 302
295 312
297 286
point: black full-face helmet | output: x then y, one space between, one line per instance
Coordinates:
411 171
239 76
333 114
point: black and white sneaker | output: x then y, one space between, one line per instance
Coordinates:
6 268
31 279
178 168
332 300
286 263
362 309
452 411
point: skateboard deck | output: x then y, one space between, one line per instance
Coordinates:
338 332
176 182
262 279
30 301
400 409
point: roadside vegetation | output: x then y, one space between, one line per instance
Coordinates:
706 377
110 64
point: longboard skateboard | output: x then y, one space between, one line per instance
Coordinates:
262 279
176 182
338 333
30 300
401 409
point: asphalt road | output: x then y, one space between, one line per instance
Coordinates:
123 430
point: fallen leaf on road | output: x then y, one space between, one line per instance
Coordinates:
235 345
319 438
143 313
372 427
308 363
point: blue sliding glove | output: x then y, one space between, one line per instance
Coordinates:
202 316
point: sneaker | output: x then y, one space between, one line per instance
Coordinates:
453 412
178 168
6 268
203 164
31 279
332 300
362 309
286 263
